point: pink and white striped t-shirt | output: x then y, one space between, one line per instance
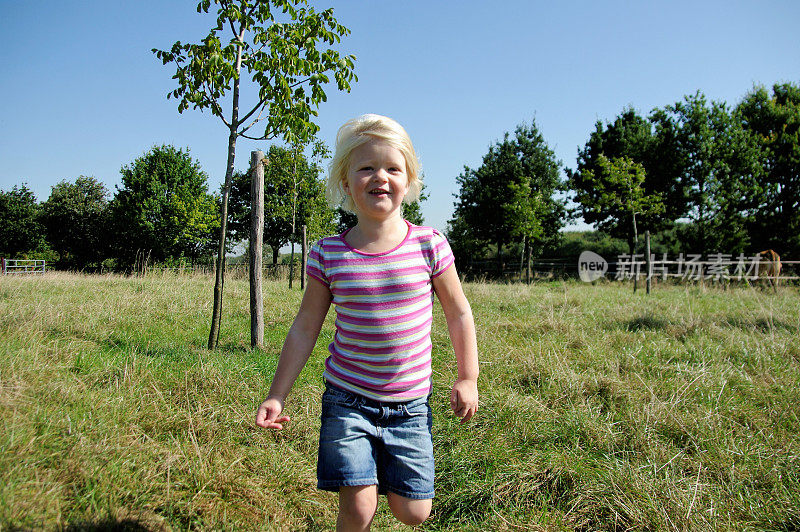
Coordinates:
384 304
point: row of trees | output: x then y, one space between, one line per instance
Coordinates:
163 212
712 177
706 175
732 172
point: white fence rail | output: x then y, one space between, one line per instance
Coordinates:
22 266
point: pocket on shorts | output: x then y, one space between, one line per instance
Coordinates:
416 408
337 396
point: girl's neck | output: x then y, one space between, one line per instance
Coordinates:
377 236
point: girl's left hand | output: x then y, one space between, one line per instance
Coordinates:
269 414
464 399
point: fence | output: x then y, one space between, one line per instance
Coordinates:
22 266
693 269
232 271
514 271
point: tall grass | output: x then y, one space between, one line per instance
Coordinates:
600 409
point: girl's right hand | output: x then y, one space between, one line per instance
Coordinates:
269 414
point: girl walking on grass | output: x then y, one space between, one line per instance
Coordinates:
381 275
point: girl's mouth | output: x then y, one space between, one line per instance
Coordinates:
378 192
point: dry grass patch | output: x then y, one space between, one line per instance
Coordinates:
601 409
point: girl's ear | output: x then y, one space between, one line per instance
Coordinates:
346 187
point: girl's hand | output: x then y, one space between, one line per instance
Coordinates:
464 399
269 414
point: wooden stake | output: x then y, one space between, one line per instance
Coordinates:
647 258
256 248
303 259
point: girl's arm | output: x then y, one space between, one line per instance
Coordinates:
296 349
457 312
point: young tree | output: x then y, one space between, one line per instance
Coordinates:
281 46
75 219
163 209
618 196
543 215
20 230
631 136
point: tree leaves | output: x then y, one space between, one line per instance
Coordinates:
163 208
20 230
279 50
292 185
511 195
75 217
774 122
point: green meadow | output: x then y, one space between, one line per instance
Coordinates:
601 409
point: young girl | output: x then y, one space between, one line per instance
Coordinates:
380 275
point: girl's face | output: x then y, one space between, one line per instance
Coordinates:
377 180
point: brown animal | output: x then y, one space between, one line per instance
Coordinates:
769 266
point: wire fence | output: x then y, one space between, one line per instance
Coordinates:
689 268
232 271
716 268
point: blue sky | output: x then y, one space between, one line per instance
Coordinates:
82 94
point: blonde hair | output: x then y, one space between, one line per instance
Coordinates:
357 132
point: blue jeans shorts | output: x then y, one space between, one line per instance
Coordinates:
364 442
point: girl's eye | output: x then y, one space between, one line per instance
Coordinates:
365 168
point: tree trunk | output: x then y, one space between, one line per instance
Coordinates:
701 230
216 313
275 252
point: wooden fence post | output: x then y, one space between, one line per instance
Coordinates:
256 248
3 265
303 259
647 258
291 264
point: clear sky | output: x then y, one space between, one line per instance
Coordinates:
82 94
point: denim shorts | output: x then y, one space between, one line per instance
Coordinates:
364 442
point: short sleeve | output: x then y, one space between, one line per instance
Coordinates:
442 254
315 266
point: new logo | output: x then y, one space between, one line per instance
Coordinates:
591 266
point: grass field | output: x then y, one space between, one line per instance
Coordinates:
601 409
